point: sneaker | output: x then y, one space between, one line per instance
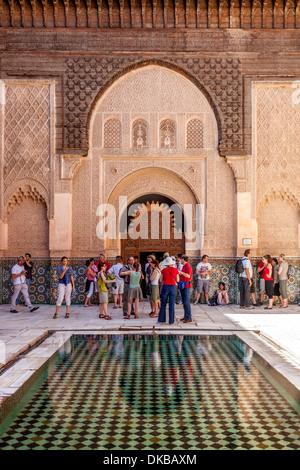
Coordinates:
13 311
34 309
195 303
179 303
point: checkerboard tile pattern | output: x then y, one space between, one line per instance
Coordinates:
152 393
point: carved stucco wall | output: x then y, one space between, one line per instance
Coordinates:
185 175
220 79
26 162
275 185
27 139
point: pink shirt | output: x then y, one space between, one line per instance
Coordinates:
95 270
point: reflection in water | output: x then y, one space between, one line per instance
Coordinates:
153 392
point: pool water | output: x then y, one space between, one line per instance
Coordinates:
152 393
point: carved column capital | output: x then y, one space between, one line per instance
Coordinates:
239 167
68 164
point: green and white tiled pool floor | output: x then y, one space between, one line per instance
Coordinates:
152 393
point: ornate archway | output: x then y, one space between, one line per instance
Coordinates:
157 189
155 227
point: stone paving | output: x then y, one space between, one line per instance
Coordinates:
274 335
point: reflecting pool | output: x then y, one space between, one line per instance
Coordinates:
132 392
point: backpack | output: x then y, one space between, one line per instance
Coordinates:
213 300
239 267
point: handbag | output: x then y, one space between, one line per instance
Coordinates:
182 284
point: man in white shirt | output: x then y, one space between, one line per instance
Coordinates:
203 270
246 281
119 289
19 281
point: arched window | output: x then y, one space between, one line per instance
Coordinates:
112 133
140 133
167 133
194 134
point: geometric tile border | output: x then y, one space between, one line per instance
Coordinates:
43 289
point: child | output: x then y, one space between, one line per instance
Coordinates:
222 294
103 291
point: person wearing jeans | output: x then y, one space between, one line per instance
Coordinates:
28 266
169 277
19 281
186 276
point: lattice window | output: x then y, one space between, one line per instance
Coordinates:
112 133
140 133
194 137
167 134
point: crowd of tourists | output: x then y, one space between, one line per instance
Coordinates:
162 282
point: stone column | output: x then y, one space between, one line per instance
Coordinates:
60 229
246 225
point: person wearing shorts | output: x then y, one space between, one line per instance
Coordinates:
135 292
103 291
155 294
118 290
203 270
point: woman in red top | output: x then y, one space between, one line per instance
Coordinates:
169 277
268 277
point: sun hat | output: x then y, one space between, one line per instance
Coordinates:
168 261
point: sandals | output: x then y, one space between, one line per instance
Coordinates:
101 315
67 315
55 315
126 317
136 316
107 317
152 315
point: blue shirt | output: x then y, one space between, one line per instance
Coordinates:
67 277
